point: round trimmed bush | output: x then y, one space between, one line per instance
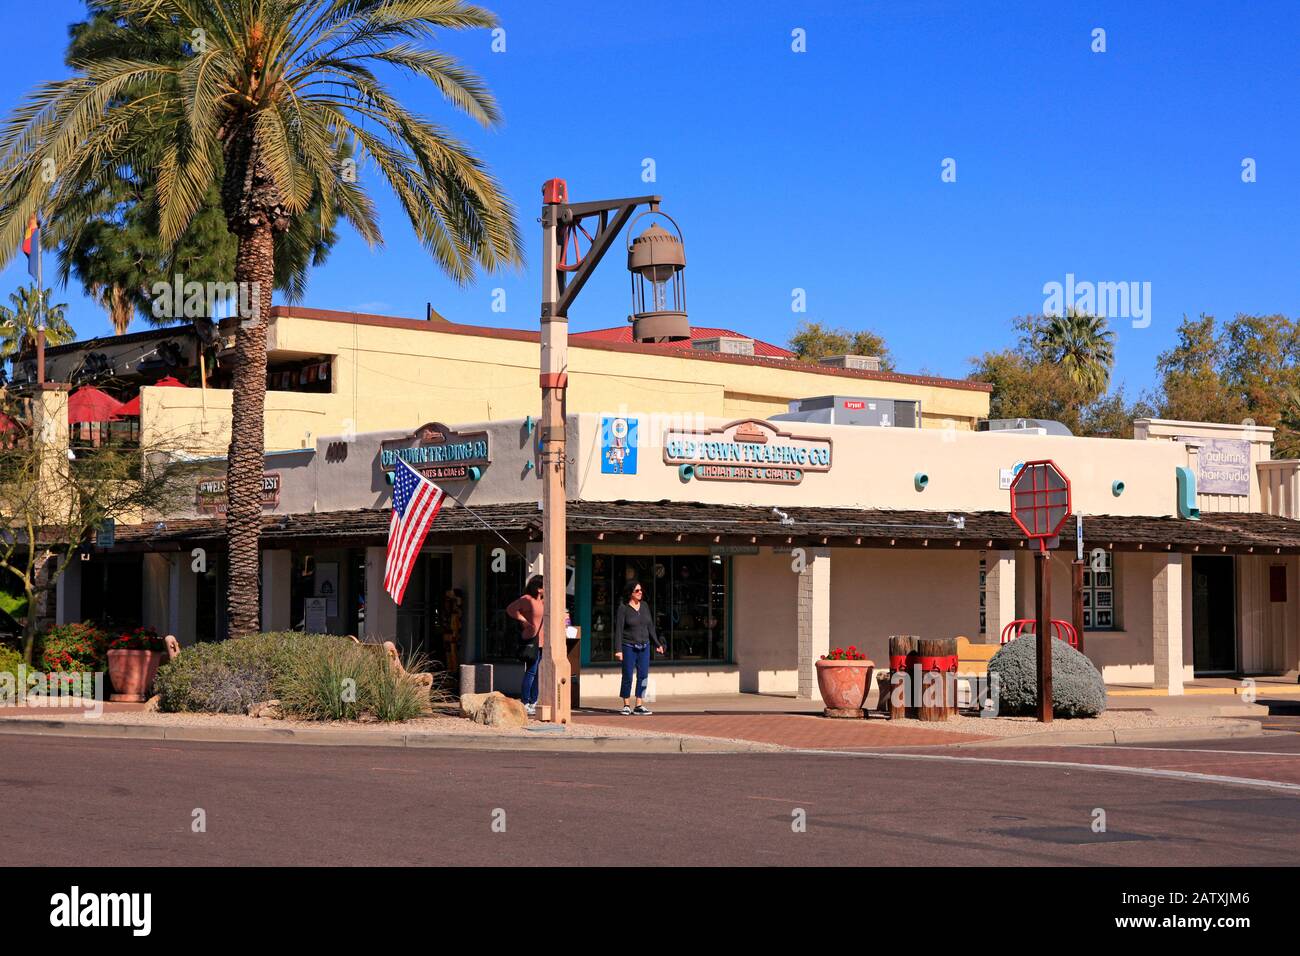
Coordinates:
1077 687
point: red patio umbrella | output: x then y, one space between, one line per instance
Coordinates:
133 406
89 404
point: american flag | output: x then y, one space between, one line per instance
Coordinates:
416 502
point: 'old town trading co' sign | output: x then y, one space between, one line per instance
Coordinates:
748 450
210 493
437 452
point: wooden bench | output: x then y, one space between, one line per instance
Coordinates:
974 658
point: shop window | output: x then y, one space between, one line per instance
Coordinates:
1099 610
301 375
501 585
687 593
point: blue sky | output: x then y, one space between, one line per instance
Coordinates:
821 170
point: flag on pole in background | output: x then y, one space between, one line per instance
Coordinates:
32 247
416 502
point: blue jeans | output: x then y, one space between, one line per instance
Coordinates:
528 690
635 657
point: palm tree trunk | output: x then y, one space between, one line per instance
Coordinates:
255 274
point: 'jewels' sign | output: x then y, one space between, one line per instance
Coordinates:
438 452
210 494
748 450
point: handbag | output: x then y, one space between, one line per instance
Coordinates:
529 650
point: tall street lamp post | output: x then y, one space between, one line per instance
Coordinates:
575 237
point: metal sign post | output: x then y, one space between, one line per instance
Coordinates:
1040 506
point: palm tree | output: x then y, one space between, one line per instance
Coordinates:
1083 347
271 93
19 320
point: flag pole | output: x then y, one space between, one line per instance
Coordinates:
40 308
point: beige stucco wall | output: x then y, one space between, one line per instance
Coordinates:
875 468
406 373
1260 443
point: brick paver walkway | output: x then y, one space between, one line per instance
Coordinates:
787 730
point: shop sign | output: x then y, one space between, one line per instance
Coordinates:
1223 466
748 450
438 452
618 441
210 493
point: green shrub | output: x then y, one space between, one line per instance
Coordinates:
393 696
73 647
1077 686
329 683
213 677
314 676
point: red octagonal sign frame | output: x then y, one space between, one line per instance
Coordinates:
1040 500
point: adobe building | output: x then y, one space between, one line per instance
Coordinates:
762 540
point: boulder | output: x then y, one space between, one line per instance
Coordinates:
267 708
471 705
502 711
493 710
1077 686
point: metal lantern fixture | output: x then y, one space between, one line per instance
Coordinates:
656 259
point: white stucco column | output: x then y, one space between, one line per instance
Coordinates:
533 554
1167 622
381 612
155 580
183 595
999 593
814 617
277 570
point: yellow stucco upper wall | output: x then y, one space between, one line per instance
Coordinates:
398 373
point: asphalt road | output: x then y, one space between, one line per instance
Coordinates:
70 801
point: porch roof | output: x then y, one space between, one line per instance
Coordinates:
694 523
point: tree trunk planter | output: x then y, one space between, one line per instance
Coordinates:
844 686
131 674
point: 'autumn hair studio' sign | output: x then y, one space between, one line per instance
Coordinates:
748 450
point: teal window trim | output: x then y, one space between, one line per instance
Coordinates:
582 597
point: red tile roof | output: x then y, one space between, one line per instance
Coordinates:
623 333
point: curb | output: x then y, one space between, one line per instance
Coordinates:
1122 735
349 738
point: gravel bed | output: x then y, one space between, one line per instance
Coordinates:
433 725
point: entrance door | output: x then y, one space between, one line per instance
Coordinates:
419 618
1214 614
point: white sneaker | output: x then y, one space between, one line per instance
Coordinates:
531 709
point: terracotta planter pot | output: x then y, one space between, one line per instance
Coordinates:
844 685
131 674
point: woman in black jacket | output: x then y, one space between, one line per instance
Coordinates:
634 632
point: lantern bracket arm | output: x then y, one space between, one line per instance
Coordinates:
571 283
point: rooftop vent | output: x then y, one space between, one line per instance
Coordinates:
725 344
1033 426
860 363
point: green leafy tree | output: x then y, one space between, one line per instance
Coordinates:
23 315
813 341
269 95
1191 381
